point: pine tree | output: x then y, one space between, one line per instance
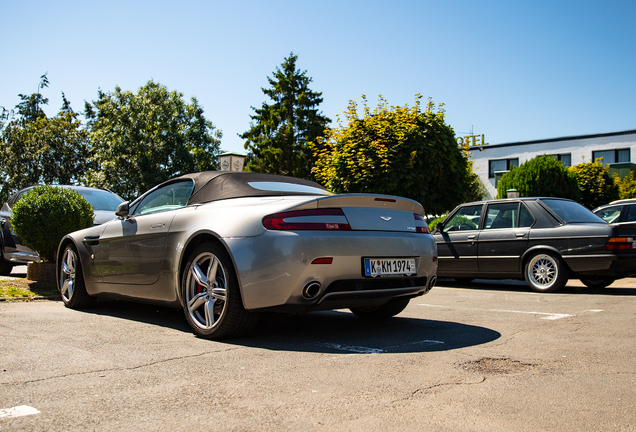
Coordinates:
279 133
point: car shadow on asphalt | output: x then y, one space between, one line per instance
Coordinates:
338 331
573 287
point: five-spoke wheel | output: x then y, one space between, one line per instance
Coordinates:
71 280
211 297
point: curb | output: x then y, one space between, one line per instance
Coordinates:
26 299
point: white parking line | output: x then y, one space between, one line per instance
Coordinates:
19 411
548 315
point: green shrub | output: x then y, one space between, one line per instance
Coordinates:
433 223
541 176
596 184
45 214
626 186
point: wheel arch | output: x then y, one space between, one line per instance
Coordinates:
529 253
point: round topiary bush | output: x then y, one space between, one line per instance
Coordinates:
45 214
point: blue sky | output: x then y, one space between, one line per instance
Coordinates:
511 70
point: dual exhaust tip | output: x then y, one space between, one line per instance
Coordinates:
312 289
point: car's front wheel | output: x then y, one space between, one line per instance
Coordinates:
71 280
545 273
597 282
386 310
211 296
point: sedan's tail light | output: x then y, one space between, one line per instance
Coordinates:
319 219
421 229
619 243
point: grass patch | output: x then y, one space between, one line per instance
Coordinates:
25 289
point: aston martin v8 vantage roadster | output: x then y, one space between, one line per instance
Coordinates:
225 246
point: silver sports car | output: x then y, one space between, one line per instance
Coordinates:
225 246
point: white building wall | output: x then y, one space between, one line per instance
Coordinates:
580 149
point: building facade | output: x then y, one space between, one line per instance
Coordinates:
617 149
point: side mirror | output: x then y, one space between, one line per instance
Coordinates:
439 227
122 209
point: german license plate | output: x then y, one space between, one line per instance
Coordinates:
389 267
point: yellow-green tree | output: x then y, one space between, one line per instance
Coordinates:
396 150
596 184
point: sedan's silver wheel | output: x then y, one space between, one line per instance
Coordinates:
67 274
545 273
206 291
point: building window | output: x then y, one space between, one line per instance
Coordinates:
612 156
566 159
501 165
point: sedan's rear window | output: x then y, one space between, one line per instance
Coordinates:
571 211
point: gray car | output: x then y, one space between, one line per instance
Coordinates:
14 252
225 246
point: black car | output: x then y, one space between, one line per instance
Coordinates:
13 252
617 211
544 240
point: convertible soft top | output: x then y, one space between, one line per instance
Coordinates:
219 185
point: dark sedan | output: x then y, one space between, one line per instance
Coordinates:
544 240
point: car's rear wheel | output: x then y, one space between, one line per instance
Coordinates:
211 295
597 282
5 266
71 281
386 310
545 273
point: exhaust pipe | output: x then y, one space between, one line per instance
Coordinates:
311 290
431 283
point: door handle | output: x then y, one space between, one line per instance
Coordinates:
157 225
471 237
521 234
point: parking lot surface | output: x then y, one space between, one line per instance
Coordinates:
487 356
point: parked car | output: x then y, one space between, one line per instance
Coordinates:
618 211
14 252
225 246
544 240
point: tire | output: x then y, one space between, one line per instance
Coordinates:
597 282
71 280
211 297
545 273
384 311
5 266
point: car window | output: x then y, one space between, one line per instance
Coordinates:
631 214
525 217
610 214
101 199
502 215
571 211
465 219
169 197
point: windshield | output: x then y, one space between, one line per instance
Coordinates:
570 211
101 199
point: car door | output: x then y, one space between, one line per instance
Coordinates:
457 242
131 250
504 237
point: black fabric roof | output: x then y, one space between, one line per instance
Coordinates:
218 185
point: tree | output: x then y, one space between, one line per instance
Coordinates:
279 133
596 184
540 176
395 150
626 186
37 149
142 139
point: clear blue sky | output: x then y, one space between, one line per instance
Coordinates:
512 70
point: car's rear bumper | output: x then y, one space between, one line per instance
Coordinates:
612 265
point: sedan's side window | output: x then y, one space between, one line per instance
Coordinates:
525 217
465 219
631 214
502 215
169 197
611 214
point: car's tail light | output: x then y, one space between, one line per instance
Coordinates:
421 229
619 243
319 219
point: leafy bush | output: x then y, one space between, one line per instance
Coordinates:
626 186
45 214
433 223
596 184
541 176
